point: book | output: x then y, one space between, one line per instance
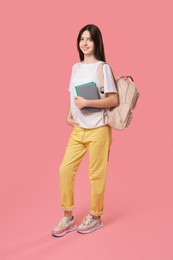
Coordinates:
88 91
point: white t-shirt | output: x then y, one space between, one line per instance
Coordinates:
83 73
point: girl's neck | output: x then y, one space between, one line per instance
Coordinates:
89 59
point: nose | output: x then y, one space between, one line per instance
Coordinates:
85 42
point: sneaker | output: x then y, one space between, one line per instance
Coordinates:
89 225
64 226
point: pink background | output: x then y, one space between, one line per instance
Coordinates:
38 48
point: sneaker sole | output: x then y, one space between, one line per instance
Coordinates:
90 230
74 228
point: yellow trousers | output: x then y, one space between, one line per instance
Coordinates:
97 142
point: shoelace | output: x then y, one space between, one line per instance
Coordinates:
63 223
87 221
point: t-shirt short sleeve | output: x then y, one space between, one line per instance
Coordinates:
109 83
71 77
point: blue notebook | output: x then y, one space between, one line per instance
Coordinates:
88 91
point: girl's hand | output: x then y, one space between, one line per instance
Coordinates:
80 102
71 122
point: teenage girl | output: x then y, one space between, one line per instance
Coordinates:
90 134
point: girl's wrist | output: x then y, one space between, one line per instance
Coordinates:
87 103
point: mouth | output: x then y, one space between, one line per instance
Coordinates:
85 49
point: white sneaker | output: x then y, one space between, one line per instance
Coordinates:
89 225
64 226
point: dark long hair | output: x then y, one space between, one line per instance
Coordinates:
96 36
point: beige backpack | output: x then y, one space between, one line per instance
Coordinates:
120 117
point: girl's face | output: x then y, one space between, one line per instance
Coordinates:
86 44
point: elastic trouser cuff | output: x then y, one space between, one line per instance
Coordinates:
97 214
68 208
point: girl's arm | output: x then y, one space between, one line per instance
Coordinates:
70 120
111 100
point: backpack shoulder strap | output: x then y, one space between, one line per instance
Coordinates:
101 80
100 75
